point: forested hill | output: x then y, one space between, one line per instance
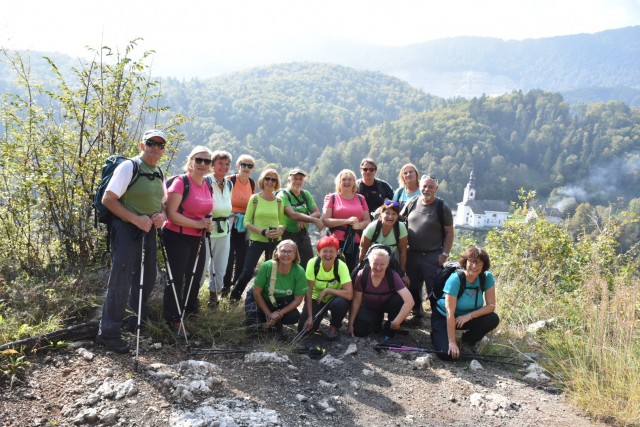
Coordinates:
325 118
288 114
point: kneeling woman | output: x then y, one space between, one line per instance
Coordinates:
378 290
466 310
278 289
329 285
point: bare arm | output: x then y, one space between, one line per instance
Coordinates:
355 307
450 303
489 307
448 243
407 306
112 202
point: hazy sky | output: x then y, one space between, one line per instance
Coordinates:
243 31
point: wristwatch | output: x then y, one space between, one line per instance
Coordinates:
446 254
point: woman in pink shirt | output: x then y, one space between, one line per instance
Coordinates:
346 214
183 235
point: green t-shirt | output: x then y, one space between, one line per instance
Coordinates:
389 239
145 196
303 204
293 283
325 279
264 214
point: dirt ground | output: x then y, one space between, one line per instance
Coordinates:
365 388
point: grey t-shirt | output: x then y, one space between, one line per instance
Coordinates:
425 231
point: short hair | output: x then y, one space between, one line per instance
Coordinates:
296 259
328 241
245 158
368 160
220 155
401 173
379 252
264 173
429 176
196 150
475 253
341 174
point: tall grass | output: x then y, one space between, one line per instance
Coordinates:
592 346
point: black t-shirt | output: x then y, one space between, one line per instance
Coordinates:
375 194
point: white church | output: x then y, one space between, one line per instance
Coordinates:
479 214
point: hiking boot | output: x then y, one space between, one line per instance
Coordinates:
334 334
116 344
180 331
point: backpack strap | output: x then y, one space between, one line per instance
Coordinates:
272 283
377 231
316 269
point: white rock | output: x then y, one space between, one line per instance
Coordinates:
475 365
330 361
326 384
536 377
265 357
301 397
423 362
535 327
352 349
126 389
109 418
156 345
367 372
85 354
106 390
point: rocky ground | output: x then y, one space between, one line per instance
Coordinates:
351 385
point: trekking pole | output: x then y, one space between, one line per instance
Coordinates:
186 298
135 362
304 332
172 283
219 351
485 358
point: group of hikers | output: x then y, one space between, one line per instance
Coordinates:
380 251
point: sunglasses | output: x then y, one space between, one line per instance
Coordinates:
368 169
152 143
423 177
246 165
268 178
391 203
200 161
152 176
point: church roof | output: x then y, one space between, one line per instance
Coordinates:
479 207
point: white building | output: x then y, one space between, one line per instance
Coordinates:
479 214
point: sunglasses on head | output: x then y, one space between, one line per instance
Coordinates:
152 143
391 203
200 161
368 169
268 178
246 165
423 177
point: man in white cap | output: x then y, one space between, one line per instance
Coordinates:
135 195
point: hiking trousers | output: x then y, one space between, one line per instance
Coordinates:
338 307
254 252
302 239
124 279
475 329
237 253
369 320
422 269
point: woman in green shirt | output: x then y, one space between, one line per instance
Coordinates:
278 289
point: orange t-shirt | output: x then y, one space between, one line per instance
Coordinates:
240 196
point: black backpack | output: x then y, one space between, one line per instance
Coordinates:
437 291
103 215
394 265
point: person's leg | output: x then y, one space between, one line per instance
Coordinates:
478 327
228 275
192 287
220 247
430 268
126 246
178 250
253 315
338 307
439 337
315 307
392 308
365 321
254 252
416 280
